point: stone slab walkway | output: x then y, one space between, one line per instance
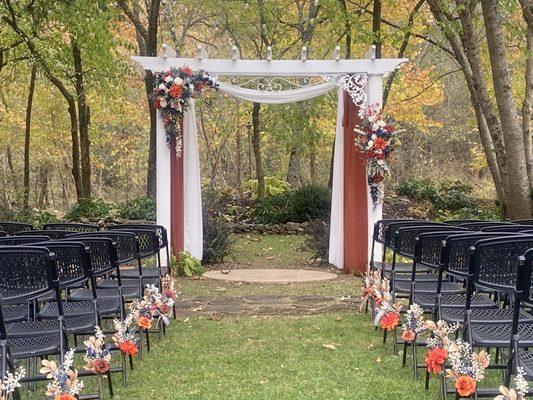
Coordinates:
270 276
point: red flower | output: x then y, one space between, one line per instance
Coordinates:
128 347
65 396
187 71
389 321
101 366
176 91
199 86
465 386
164 309
408 336
157 104
435 359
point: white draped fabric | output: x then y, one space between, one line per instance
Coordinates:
336 229
192 185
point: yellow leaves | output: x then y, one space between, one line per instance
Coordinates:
414 91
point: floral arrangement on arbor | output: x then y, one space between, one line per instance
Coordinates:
437 344
97 354
173 90
123 337
522 388
10 382
154 305
375 139
413 325
65 384
467 367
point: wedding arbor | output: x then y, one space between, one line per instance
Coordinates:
359 84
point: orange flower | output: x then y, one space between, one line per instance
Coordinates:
101 366
145 323
465 386
435 359
380 143
408 336
176 91
164 309
65 397
128 347
389 321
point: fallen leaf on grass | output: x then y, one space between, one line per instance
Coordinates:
197 309
186 320
378 360
214 317
330 346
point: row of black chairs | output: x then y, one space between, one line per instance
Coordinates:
474 273
57 287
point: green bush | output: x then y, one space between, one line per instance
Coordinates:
217 241
454 196
273 209
35 217
273 186
418 189
91 208
140 208
310 202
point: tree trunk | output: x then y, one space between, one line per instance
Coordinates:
376 27
27 135
294 171
238 162
83 122
527 104
520 202
256 144
312 165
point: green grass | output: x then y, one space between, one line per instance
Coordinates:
273 358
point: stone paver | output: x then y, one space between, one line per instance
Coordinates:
271 276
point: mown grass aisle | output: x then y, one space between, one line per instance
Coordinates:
273 358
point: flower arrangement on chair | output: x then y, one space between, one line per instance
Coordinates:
97 354
372 283
153 305
521 385
437 344
387 311
123 337
10 382
65 384
467 368
413 325
173 90
375 139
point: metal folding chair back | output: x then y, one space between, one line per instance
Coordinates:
12 228
126 243
22 240
71 227
479 225
51 234
507 228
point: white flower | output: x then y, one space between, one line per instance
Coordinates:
162 86
381 162
178 81
374 136
168 79
162 102
370 144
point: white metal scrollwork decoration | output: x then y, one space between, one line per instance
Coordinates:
275 84
355 86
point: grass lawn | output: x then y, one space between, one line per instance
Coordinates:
273 358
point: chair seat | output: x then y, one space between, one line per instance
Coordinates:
483 315
104 293
429 287
127 283
77 308
399 268
499 335
73 325
526 362
16 312
452 300
148 272
35 346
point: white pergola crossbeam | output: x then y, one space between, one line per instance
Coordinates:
297 68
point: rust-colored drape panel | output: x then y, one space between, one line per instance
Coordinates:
177 215
355 196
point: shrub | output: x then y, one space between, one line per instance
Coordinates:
273 186
454 196
143 208
418 189
91 208
35 217
318 239
310 202
274 209
189 265
217 241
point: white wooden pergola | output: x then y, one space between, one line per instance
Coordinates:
362 79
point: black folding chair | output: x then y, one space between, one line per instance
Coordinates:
20 240
3 234
523 221
479 225
51 234
71 226
457 222
12 228
507 228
